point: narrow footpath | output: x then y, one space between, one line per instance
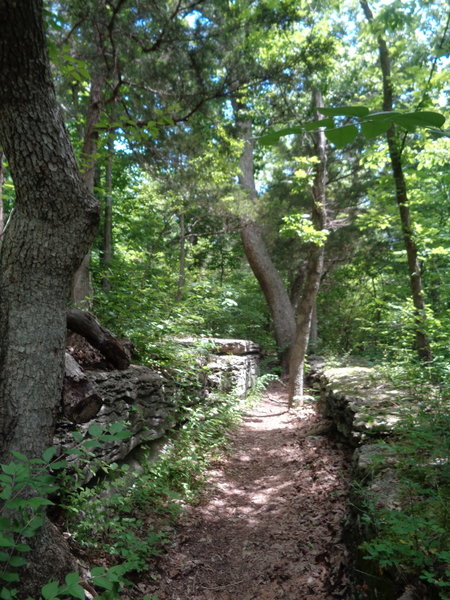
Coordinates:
269 523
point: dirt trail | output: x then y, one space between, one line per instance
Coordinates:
268 525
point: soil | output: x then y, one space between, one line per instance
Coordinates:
269 523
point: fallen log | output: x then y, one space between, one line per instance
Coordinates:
86 325
80 401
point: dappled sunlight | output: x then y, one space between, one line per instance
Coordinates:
270 516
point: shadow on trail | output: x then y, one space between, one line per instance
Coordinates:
269 525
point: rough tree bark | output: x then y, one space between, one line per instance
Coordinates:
2 179
395 153
50 230
255 248
314 268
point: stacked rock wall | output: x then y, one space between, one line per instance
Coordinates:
147 402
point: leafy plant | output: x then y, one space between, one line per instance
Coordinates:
415 536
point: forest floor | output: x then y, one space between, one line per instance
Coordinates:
268 525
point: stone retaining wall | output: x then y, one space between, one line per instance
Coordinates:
363 409
147 402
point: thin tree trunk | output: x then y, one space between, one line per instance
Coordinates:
313 334
415 277
314 267
182 261
108 249
82 291
257 254
50 230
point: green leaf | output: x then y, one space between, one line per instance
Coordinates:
341 136
103 582
5 594
95 430
76 591
6 492
345 111
50 590
6 541
273 136
90 444
17 561
49 453
10 468
60 464
38 502
22 548
19 456
373 128
311 125
9 576
423 118
72 578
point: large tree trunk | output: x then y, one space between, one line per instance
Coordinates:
50 230
255 248
314 267
415 277
2 180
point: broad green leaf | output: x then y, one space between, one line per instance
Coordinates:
49 453
419 119
10 468
50 590
6 541
38 502
72 578
95 430
5 594
60 464
22 548
373 128
311 125
9 576
19 456
76 591
345 111
17 561
6 492
431 118
103 582
273 136
382 115
341 136
77 436
90 444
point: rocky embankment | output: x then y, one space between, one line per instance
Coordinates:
146 401
363 409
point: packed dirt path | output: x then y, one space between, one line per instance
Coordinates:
269 523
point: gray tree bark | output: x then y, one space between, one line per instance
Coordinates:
314 267
2 180
50 230
415 276
255 249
